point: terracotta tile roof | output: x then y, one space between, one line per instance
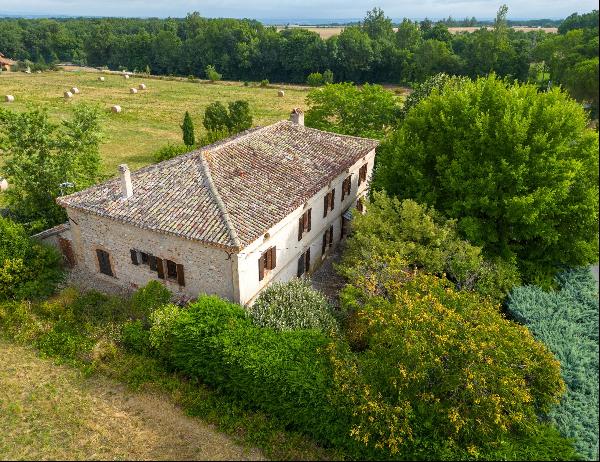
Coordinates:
230 193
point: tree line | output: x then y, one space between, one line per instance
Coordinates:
371 51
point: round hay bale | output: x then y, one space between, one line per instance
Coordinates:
142 86
281 93
116 109
101 79
75 90
3 184
68 95
133 90
9 98
125 76
38 72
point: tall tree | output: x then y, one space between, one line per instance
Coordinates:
187 128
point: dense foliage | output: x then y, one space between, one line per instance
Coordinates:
395 235
371 51
234 118
368 111
168 151
518 169
566 320
440 371
292 305
187 130
43 160
28 269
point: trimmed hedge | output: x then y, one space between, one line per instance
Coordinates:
282 373
567 321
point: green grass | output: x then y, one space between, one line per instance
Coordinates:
150 118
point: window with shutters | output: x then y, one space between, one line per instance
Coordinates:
104 262
267 262
328 202
346 186
304 223
171 270
359 205
362 174
327 240
304 263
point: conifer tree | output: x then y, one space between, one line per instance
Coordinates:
188 130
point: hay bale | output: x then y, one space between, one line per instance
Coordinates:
3 184
38 72
125 76
141 86
101 79
133 90
116 109
9 98
68 95
75 90
281 93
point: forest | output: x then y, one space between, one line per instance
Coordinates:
376 50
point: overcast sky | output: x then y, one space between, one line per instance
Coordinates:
299 9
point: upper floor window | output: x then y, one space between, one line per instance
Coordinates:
362 174
104 262
346 185
266 262
328 202
360 207
304 223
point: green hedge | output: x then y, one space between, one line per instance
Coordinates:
567 321
282 373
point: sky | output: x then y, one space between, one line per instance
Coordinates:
304 9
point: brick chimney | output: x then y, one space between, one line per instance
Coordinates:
126 187
297 116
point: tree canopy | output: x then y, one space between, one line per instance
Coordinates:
518 169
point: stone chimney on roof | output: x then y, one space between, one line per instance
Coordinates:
126 186
297 116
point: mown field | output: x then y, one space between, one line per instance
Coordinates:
150 118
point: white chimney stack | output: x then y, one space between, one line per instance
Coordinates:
126 187
297 116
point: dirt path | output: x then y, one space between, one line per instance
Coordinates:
52 412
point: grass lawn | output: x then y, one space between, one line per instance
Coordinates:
150 118
48 411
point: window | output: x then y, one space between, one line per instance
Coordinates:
304 223
171 270
144 258
327 240
359 205
104 262
362 174
152 262
267 262
328 202
174 270
346 185
304 263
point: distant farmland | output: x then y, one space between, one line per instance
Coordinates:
326 32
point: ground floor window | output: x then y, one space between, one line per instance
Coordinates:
104 262
327 240
304 263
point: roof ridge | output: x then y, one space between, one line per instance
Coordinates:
332 133
220 204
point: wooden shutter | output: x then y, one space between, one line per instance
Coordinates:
325 204
331 235
324 246
307 264
152 262
301 265
160 268
269 260
134 257
104 262
180 275
261 268
332 200
273 251
309 220
300 227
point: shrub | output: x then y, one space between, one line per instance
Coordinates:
187 129
246 83
292 305
28 269
264 83
315 79
162 321
327 76
567 321
169 151
150 297
212 74
135 338
65 342
442 371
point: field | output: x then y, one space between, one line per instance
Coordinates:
326 32
150 118
49 411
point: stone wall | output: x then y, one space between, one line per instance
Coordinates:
207 269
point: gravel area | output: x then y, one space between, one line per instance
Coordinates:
85 280
326 280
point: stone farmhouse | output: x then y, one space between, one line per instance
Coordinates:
5 63
268 204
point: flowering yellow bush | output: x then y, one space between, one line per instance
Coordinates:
439 365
